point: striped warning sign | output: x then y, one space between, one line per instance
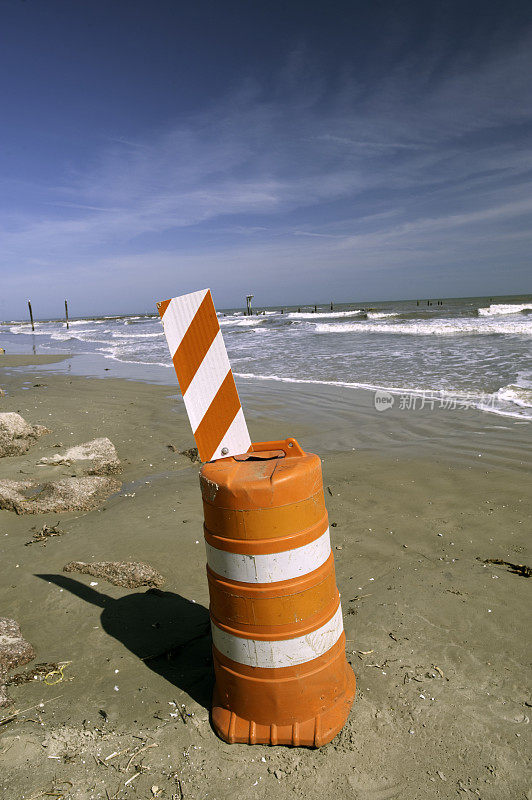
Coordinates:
204 373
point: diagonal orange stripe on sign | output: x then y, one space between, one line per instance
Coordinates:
218 418
196 342
162 306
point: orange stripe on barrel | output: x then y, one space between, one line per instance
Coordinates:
195 343
283 631
276 606
264 523
274 544
218 418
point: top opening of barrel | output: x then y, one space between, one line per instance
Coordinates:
280 448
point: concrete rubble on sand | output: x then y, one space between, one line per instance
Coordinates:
67 494
15 651
99 453
192 454
131 574
17 435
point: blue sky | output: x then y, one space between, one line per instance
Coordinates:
299 151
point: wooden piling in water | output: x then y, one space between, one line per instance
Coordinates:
31 315
66 313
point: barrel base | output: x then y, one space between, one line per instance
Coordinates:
313 732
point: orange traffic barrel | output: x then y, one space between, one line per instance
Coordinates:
282 676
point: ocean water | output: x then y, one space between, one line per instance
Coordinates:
473 351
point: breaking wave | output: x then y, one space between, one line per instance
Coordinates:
504 308
324 314
437 327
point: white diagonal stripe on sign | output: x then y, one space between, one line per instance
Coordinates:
274 654
271 567
236 439
206 382
178 316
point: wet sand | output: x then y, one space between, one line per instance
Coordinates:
437 639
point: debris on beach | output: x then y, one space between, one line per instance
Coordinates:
191 453
69 743
45 533
131 574
518 569
15 651
38 673
100 453
17 435
67 494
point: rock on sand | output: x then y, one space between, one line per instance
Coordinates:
131 574
14 652
100 453
17 435
67 494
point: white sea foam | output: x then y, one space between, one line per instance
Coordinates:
26 328
518 395
380 314
59 336
244 322
324 314
135 336
437 327
466 399
504 308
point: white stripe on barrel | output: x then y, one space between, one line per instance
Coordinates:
271 567
274 654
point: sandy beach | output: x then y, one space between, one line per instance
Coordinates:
235 228
437 637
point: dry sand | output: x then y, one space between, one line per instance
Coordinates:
437 638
